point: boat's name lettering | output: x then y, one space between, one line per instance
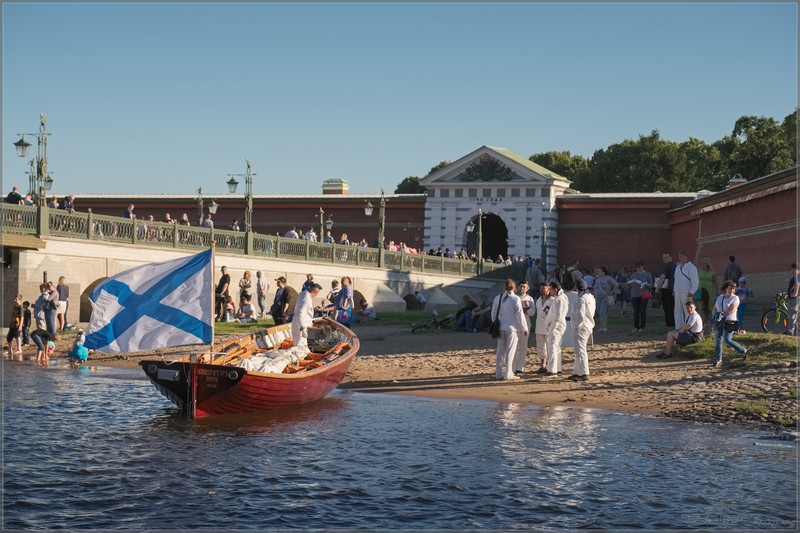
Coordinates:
211 372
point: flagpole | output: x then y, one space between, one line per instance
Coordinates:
213 299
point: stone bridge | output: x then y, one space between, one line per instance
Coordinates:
43 244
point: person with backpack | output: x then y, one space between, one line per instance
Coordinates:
507 308
570 276
732 271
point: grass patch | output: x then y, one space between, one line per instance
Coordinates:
762 347
756 407
239 328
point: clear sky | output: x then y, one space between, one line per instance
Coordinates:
165 98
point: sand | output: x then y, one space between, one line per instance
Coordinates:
625 375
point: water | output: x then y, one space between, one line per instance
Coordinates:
101 449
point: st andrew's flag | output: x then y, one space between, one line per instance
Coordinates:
153 306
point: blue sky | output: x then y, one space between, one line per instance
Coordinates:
165 98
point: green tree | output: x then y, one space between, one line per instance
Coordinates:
562 163
760 146
441 164
410 185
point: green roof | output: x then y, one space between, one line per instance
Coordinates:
527 163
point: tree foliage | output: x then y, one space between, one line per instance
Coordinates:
756 147
562 163
410 185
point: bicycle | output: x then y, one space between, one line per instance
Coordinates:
434 322
776 320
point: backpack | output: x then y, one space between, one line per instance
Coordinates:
567 283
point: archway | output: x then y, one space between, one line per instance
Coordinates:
495 236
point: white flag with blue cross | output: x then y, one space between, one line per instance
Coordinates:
153 306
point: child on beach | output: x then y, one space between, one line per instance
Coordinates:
15 328
26 323
78 354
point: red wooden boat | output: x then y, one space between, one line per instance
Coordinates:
218 382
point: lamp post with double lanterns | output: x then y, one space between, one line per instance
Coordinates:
368 208
248 194
212 207
38 178
324 224
471 226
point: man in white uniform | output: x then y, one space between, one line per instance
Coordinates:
304 315
542 309
528 309
556 325
685 284
583 324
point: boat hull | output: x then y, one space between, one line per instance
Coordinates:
202 389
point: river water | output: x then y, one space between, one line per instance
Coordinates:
101 449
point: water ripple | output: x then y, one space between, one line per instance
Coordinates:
101 449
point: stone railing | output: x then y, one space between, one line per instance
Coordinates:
44 222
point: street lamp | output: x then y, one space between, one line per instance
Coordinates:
212 207
381 217
39 180
326 225
470 228
248 195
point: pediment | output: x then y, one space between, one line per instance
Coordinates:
492 165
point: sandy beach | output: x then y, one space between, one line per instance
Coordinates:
625 375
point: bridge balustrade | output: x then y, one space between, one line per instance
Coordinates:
43 222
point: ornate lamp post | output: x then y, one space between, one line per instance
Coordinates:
470 228
381 217
38 178
248 195
326 225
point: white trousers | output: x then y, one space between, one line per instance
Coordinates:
506 350
581 367
680 307
522 351
554 349
541 348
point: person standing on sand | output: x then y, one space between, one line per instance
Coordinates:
542 309
640 285
583 324
664 286
507 308
685 285
528 309
727 303
556 327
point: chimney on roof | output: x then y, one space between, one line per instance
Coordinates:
335 186
735 181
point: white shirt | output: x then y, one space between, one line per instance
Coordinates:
262 286
531 308
303 316
686 278
696 323
557 317
727 306
542 310
507 308
583 315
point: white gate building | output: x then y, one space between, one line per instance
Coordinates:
516 196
